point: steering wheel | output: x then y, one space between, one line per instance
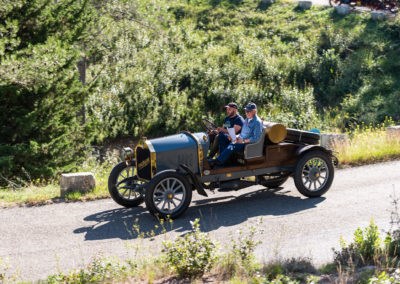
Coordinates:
208 124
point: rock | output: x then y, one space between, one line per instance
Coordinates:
82 182
393 132
333 140
378 15
343 9
305 4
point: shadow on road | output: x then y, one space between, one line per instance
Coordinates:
214 213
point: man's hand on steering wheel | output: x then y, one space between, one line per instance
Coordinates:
208 125
220 129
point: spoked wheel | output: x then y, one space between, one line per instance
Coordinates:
334 3
208 124
314 174
273 180
168 195
124 186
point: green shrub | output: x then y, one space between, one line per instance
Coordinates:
99 270
273 270
385 277
193 254
302 265
365 249
243 247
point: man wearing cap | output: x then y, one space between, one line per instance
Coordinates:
251 133
232 120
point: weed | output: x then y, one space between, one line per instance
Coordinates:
245 244
329 268
273 270
193 254
5 277
369 144
365 249
385 278
302 265
99 270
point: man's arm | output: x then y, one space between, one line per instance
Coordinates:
257 132
222 129
237 128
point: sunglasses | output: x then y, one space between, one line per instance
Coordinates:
247 110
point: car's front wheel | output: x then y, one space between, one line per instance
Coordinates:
124 186
168 195
314 173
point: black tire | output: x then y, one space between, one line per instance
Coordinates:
124 186
299 136
273 180
313 167
160 189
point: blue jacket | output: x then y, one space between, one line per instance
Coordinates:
252 130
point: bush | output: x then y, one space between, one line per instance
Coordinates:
100 270
193 254
365 249
385 277
243 247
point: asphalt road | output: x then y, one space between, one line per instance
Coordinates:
37 241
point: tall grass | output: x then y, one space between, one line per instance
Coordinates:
40 192
368 145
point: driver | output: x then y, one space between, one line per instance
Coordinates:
220 137
251 133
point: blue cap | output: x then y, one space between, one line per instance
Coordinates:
250 106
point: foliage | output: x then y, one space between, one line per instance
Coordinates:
202 54
191 255
365 249
40 191
302 264
40 92
5 276
243 247
99 270
282 279
369 144
386 278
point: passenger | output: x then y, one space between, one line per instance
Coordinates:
219 137
251 133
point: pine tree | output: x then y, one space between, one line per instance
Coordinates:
40 91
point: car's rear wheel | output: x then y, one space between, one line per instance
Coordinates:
314 174
124 186
273 180
168 195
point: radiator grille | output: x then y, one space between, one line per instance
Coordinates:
143 163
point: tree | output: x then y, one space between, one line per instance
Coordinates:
40 92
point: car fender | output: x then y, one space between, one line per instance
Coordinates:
304 149
168 171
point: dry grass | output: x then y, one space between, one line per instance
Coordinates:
35 193
369 145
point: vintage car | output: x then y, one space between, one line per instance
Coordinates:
163 172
